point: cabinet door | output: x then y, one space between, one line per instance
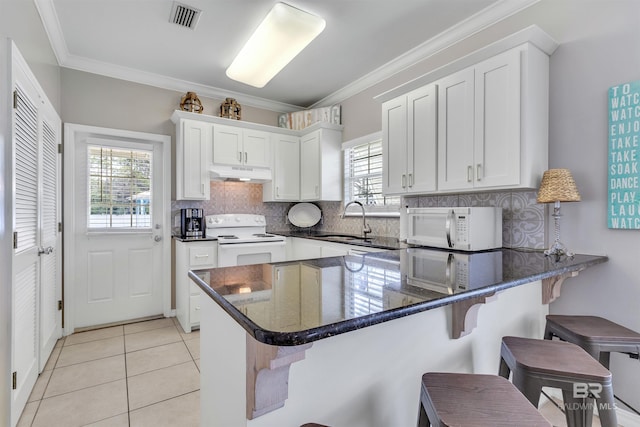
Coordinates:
497 121
455 131
227 145
422 140
394 146
192 171
256 148
310 166
286 167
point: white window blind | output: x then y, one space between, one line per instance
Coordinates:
120 188
363 178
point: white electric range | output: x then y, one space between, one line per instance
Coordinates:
243 240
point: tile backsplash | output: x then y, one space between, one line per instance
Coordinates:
523 218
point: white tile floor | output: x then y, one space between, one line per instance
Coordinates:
139 375
143 374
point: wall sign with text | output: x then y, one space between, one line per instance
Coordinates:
624 155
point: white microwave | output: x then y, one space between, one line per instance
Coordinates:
459 228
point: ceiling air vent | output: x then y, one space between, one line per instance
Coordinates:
185 16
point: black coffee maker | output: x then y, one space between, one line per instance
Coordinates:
192 223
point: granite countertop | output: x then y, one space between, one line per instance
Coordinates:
292 303
380 242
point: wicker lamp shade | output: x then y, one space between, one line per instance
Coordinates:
558 186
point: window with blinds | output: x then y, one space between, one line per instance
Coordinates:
120 188
363 178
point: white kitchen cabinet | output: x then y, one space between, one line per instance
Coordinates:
493 123
285 185
193 141
238 146
190 256
321 165
409 142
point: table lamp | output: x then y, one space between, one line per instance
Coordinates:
557 186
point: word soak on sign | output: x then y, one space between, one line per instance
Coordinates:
624 152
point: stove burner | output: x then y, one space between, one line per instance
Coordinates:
262 235
228 236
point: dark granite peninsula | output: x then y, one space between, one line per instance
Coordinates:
362 329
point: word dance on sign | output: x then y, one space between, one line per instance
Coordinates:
624 151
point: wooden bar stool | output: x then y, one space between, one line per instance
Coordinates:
541 363
465 400
597 336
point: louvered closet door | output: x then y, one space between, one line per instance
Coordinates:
50 258
26 266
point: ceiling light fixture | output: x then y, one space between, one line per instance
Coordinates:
282 35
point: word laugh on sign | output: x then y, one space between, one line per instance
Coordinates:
624 151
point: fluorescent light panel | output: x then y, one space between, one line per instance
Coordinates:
282 35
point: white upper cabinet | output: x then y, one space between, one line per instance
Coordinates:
192 151
479 125
286 169
237 146
455 131
487 128
308 167
409 142
321 165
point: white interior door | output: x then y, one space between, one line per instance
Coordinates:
50 235
26 262
117 266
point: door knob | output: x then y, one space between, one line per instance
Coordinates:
157 238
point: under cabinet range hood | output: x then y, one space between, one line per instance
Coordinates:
239 173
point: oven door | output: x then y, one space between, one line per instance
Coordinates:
232 254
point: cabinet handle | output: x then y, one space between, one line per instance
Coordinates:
246 157
240 156
478 170
469 173
277 191
203 188
202 256
410 180
404 181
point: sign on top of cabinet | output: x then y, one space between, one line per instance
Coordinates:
482 127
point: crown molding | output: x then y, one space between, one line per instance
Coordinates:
492 14
464 29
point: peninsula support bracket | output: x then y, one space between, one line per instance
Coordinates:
551 286
464 315
268 375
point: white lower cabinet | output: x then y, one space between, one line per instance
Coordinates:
190 256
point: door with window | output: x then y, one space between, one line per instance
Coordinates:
117 268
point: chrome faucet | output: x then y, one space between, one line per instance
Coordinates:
365 227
